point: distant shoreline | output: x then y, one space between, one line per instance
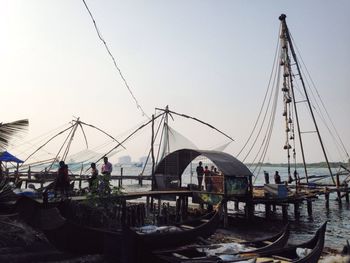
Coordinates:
316 165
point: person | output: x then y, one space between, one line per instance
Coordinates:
277 178
107 167
207 179
62 179
94 174
290 179
267 178
200 173
106 170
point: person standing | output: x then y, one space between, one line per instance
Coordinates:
62 179
93 178
200 173
277 178
207 179
267 178
106 170
107 167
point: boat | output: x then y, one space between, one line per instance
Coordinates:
68 236
179 234
276 241
314 248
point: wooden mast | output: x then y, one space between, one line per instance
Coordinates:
285 32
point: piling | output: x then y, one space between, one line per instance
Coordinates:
267 210
326 195
309 207
285 212
236 202
346 192
296 210
120 182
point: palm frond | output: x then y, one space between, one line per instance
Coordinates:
11 130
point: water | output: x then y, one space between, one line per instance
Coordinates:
338 216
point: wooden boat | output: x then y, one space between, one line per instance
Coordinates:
288 254
68 236
141 244
277 241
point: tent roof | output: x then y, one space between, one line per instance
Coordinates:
176 162
7 157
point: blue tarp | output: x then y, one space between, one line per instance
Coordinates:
7 157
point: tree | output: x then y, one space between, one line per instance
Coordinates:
11 130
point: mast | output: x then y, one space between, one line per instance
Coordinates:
287 41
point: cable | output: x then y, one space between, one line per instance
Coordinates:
114 61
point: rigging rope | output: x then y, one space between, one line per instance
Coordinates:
262 106
114 61
320 99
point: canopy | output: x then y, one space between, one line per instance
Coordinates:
176 162
7 157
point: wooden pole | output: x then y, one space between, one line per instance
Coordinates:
296 210
152 154
309 207
326 195
267 210
338 189
285 211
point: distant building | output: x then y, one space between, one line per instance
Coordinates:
124 159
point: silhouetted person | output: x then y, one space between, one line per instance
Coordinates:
277 178
200 173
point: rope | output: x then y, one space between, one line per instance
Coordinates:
320 99
262 106
114 61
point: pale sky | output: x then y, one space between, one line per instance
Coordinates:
207 59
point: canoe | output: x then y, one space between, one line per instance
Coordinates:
141 244
277 241
289 254
67 236
281 255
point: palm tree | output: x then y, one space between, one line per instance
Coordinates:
11 130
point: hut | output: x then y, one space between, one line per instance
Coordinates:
235 182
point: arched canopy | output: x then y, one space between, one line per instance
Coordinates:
176 162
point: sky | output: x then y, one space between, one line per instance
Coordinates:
207 59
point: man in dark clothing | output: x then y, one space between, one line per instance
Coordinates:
62 180
200 172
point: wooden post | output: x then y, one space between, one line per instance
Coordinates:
120 182
225 215
338 189
147 206
236 205
285 211
296 210
80 179
274 208
346 192
326 195
29 173
152 154
267 210
309 207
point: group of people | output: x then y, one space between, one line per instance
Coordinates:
62 183
277 178
206 173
